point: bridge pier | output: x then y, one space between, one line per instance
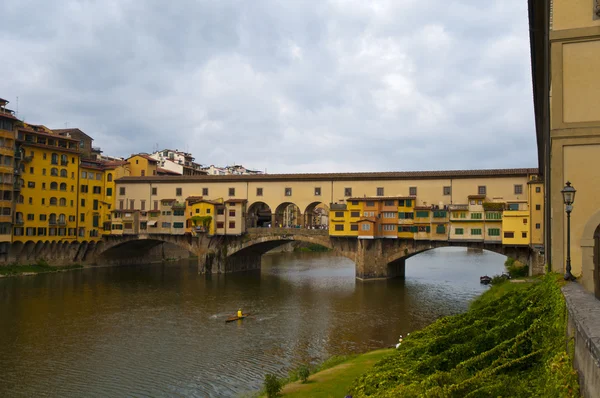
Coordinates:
371 262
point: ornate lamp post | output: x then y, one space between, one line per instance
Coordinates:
568 193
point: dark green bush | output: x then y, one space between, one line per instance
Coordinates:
303 373
272 385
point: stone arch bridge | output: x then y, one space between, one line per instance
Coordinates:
374 258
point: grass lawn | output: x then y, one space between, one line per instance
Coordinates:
335 381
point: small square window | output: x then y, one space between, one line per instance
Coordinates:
524 234
259 192
178 191
380 191
481 190
518 189
412 191
288 192
317 191
538 207
204 191
538 226
122 190
347 191
231 191
447 190
154 191
538 189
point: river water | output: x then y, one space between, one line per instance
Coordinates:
159 331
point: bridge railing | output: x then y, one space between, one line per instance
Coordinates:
288 231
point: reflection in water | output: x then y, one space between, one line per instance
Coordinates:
159 330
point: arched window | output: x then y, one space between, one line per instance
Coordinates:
62 202
54 171
64 160
54 159
62 219
53 201
54 185
52 219
22 167
109 177
63 186
21 199
63 173
19 217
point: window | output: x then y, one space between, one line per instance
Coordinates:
481 190
220 225
388 214
108 191
538 207
339 214
154 191
440 229
205 191
231 191
538 226
476 216
122 190
64 160
354 202
142 205
513 206
524 234
30 200
166 225
97 190
518 189
63 173
53 201
178 191
422 214
62 202
30 217
31 170
84 175
339 227
179 212
353 227
84 188
82 202
43 172
538 189
231 212
259 192
54 158
524 221
177 225
439 214
347 191
475 231
143 173
220 211
355 214
122 204
82 217
447 190
30 184
494 231
155 205
459 231
109 177
63 186
54 172
370 203
95 204
132 204
317 191
380 191
493 216
509 234
98 176
404 215
366 227
288 191
412 191
231 224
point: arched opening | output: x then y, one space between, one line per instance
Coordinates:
259 215
53 186
63 173
597 262
288 215
109 177
316 216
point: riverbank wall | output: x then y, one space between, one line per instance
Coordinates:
584 328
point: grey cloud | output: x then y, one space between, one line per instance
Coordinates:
294 86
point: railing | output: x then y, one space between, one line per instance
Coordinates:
458 207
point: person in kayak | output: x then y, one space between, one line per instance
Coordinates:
239 313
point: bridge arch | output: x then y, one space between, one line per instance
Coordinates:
287 214
590 254
259 214
316 215
132 249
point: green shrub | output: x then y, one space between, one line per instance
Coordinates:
509 262
518 270
42 263
272 385
498 279
303 373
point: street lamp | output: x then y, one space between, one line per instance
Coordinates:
568 193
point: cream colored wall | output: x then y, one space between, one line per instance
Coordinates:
581 85
570 14
536 216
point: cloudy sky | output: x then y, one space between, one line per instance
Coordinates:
286 86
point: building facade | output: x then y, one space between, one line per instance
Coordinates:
565 57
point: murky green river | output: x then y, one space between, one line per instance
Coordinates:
160 331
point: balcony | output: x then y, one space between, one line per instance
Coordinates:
458 207
178 205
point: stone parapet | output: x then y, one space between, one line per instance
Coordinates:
584 326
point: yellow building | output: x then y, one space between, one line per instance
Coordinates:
113 170
201 215
8 189
46 209
92 201
515 228
565 58
141 165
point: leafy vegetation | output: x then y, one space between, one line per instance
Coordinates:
303 373
312 247
40 267
273 385
510 343
515 268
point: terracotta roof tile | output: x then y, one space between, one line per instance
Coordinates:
236 200
380 198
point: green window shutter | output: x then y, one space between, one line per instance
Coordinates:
428 229
414 229
422 214
401 215
440 229
408 202
459 231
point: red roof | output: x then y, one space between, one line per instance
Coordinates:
160 170
236 200
145 156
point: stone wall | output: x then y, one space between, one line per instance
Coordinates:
584 327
